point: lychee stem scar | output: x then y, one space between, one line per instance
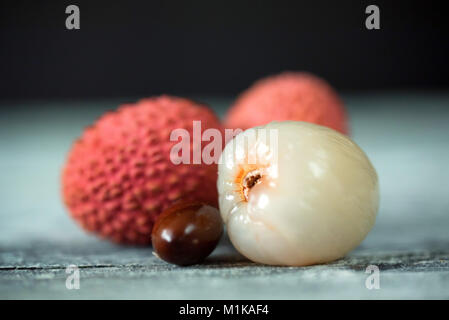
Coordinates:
249 181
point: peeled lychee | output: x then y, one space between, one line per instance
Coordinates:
305 195
294 96
118 177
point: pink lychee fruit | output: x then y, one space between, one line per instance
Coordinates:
297 96
119 177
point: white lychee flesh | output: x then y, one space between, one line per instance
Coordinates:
311 198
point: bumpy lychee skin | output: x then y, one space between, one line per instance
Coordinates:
118 177
297 96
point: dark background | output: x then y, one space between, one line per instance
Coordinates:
132 48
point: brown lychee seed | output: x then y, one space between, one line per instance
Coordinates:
187 233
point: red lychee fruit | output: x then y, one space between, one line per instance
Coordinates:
295 96
118 176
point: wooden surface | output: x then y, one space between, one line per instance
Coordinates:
406 136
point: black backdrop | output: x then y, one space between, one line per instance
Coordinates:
129 48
